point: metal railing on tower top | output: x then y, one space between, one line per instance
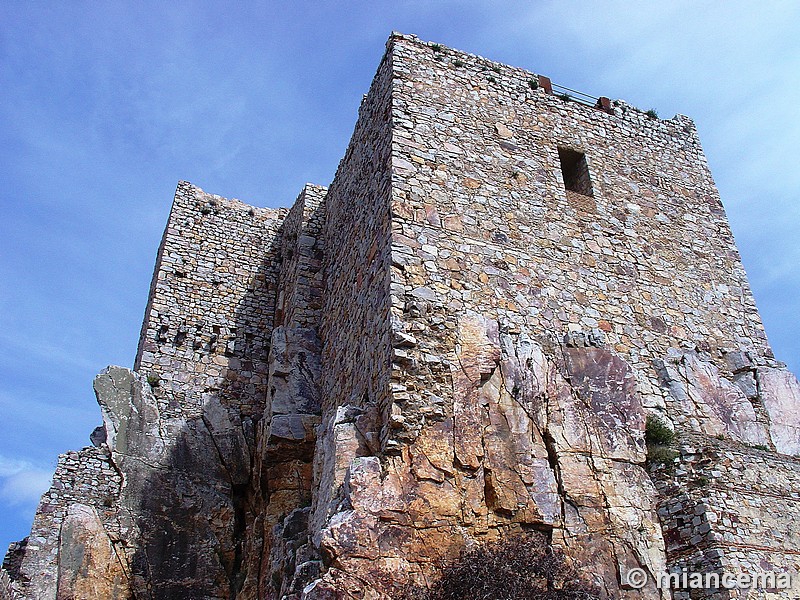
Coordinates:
554 89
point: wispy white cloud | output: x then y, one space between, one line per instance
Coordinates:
45 351
22 483
11 466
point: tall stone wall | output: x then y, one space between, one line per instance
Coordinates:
181 432
209 317
204 350
355 328
484 222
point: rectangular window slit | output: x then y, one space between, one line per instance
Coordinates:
575 171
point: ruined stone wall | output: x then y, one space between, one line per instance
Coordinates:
87 478
211 461
209 316
729 508
181 432
205 349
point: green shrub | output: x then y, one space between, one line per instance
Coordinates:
533 84
459 63
661 456
652 113
153 379
656 432
658 438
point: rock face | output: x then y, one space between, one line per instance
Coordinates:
714 405
521 446
460 340
88 566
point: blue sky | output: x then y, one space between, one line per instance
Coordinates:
106 105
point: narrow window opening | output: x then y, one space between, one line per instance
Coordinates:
575 171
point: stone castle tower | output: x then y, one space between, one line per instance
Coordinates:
460 339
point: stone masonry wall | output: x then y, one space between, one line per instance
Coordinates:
181 434
355 329
302 247
86 477
493 262
483 220
730 508
487 434
209 317
205 344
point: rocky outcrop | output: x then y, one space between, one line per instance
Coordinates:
88 565
523 445
282 475
779 391
711 404
755 404
178 504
